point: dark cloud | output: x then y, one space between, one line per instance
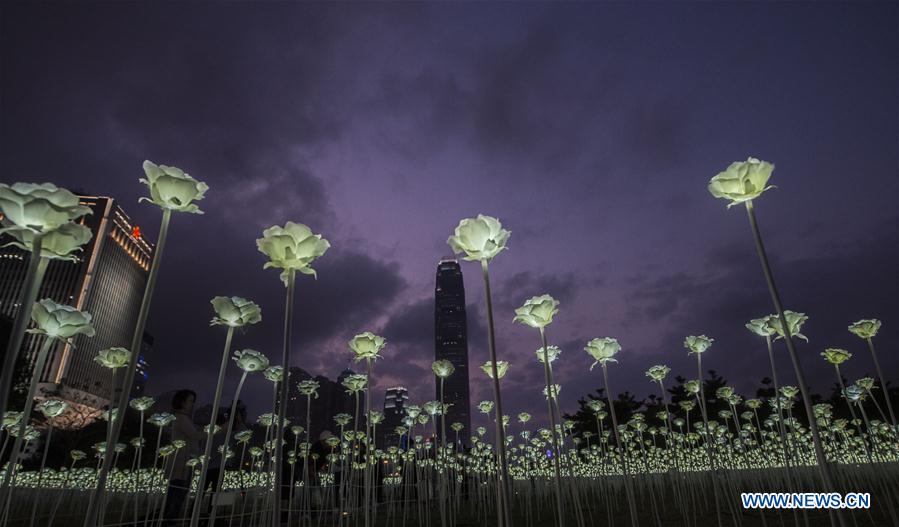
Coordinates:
591 130
516 289
413 323
655 133
834 289
351 290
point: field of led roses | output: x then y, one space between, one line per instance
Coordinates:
682 465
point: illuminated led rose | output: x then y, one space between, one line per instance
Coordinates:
551 352
250 360
761 327
457 427
274 373
106 413
556 389
854 393
355 382
172 188
866 382
39 208
377 417
432 407
59 244
485 407
595 405
692 387
724 392
161 419
443 368
501 368
308 387
113 358
343 419
537 312
742 181
366 346
658 372
836 356
243 436
142 404
291 248
603 350
698 344
166 450
794 324
77 455
11 419
52 408
789 391
524 417
60 321
234 311
866 328
479 238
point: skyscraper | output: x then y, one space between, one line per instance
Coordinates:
451 343
107 280
142 375
394 412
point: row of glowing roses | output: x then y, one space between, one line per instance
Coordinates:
42 213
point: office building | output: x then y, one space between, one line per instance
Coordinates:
394 411
451 343
107 280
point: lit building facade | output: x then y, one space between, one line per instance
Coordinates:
142 368
107 280
394 411
451 343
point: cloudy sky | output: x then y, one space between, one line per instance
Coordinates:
590 130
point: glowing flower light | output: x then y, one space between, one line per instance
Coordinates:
292 247
113 358
40 208
603 350
366 346
172 189
537 312
250 360
60 321
234 311
742 181
480 239
501 368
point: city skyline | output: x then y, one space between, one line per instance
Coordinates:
590 131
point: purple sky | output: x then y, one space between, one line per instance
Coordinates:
589 130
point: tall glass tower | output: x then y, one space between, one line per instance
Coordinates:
451 343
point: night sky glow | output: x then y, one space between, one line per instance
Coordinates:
590 130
